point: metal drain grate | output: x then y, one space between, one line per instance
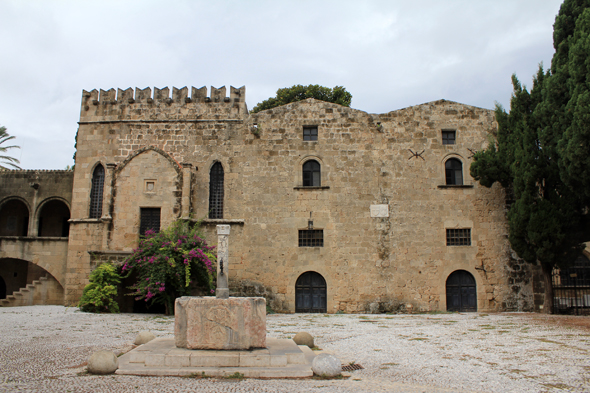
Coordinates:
352 367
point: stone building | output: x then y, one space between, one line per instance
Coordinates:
331 208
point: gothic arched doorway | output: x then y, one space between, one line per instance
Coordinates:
310 293
461 292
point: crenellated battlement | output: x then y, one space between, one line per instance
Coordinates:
143 104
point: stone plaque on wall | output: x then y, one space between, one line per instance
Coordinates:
379 210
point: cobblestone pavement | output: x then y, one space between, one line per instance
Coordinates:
44 349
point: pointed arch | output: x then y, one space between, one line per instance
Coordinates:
167 156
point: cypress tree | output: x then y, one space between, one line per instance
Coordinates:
541 154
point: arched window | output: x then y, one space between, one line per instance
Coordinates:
454 172
96 192
216 191
312 174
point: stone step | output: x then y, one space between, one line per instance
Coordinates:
16 298
281 359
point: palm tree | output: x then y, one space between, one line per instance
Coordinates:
7 160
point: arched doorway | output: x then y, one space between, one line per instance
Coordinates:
14 218
2 288
53 219
310 293
461 292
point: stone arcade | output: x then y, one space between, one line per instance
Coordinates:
331 208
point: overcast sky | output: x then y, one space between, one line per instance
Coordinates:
388 54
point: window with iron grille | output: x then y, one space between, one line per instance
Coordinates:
149 219
96 192
448 137
459 237
454 172
310 133
312 174
311 238
216 191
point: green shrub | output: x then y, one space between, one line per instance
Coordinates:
99 295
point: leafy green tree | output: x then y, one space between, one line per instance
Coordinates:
7 160
337 95
100 294
168 262
548 216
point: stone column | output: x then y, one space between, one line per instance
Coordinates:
107 198
222 291
186 189
33 219
107 190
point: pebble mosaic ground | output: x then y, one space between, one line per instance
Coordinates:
44 349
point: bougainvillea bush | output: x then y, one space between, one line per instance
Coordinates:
169 263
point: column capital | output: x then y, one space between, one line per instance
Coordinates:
223 229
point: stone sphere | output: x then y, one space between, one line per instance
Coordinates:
144 337
103 362
326 365
303 338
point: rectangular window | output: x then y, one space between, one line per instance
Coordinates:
448 137
149 219
310 133
459 237
311 238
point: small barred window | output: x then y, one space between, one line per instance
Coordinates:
311 238
459 237
310 133
448 137
149 220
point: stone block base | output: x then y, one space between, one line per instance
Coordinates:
159 357
236 323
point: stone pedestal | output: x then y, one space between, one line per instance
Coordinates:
236 323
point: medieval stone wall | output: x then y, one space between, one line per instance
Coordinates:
395 159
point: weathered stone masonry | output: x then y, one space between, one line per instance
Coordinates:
157 152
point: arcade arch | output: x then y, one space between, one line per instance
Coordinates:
14 218
53 219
